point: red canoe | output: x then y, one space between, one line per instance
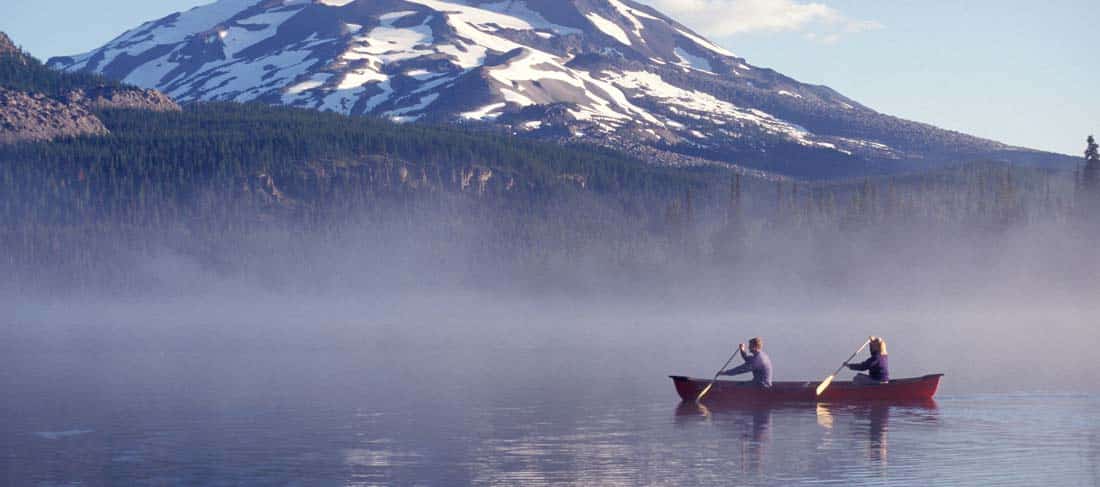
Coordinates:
900 390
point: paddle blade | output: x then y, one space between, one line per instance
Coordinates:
703 392
825 384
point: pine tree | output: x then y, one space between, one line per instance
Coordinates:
1091 175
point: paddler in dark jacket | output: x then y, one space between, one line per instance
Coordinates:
877 367
758 363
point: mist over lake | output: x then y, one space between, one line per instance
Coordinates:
388 350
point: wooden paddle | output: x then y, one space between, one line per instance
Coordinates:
707 388
829 380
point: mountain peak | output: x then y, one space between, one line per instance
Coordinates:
357 56
613 72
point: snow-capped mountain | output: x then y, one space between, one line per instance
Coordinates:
613 72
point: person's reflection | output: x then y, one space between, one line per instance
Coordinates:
877 417
751 427
755 444
878 448
761 423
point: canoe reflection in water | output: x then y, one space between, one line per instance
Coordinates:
845 428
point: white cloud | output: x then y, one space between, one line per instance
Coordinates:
723 18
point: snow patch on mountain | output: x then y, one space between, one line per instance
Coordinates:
706 44
697 105
401 115
631 16
608 27
693 61
487 112
534 20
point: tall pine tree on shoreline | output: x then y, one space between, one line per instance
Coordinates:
1089 183
1091 173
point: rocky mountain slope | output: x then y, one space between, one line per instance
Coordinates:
613 72
34 116
38 104
104 97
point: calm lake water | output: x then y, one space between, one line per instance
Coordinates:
384 415
461 390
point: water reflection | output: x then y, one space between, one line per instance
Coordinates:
878 447
750 427
875 415
824 416
862 427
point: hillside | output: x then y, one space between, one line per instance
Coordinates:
38 103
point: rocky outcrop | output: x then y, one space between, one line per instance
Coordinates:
265 191
35 105
107 97
37 117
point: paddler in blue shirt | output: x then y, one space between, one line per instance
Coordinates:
758 363
877 367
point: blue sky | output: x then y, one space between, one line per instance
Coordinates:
1024 73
